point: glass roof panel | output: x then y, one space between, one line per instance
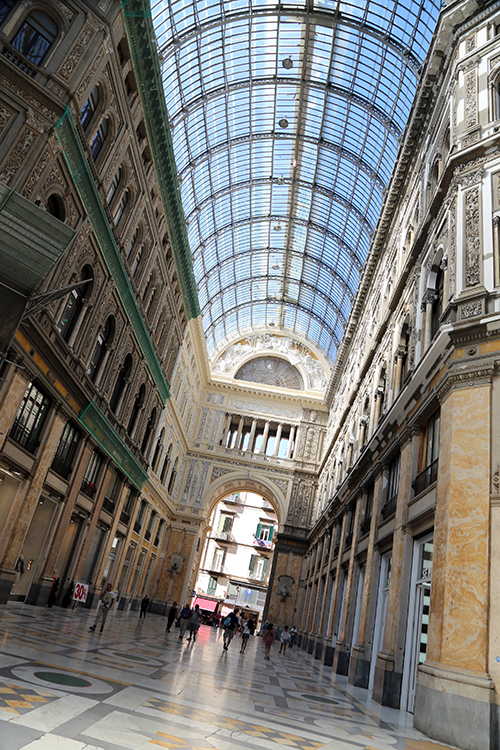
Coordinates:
286 122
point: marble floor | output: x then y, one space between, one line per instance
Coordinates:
133 686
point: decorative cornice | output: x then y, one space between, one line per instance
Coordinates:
463 378
140 34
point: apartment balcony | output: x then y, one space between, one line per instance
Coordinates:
225 536
426 477
262 543
217 570
257 576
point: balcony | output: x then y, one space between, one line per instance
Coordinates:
217 570
124 517
389 508
224 536
426 477
147 535
88 488
262 543
254 576
109 505
24 437
234 499
61 467
15 57
365 526
137 527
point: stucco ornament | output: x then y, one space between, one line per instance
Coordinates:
285 586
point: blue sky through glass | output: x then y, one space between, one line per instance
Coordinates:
286 120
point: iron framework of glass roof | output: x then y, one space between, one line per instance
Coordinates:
286 119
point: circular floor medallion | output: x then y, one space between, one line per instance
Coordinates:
69 682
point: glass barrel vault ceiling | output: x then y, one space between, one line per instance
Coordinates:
286 120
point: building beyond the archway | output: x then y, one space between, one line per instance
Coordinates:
303 305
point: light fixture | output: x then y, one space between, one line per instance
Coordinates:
287 63
277 227
276 267
283 123
271 324
280 180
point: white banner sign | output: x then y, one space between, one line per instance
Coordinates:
80 592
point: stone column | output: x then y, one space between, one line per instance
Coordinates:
454 692
379 395
226 430
343 645
290 441
362 431
278 438
78 323
264 438
92 525
251 439
238 434
332 632
11 404
429 298
111 535
389 665
398 359
24 506
359 666
496 249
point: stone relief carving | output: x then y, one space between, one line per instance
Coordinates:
285 586
472 238
495 480
452 248
294 351
77 52
282 484
202 483
5 115
202 424
215 427
470 311
252 408
90 74
218 472
30 101
470 43
18 154
36 173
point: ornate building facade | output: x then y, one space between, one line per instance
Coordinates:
119 435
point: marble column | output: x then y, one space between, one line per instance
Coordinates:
400 354
264 438
454 692
238 434
278 438
112 533
290 441
24 506
226 430
359 665
331 636
389 664
11 404
343 646
251 438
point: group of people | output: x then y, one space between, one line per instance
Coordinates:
189 619
287 637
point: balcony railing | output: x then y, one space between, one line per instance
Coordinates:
426 477
390 507
109 505
88 488
365 526
147 535
217 569
124 517
61 467
11 54
224 536
137 527
254 576
24 437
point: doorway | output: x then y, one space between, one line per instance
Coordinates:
379 630
33 546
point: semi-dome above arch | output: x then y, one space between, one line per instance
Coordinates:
286 121
271 371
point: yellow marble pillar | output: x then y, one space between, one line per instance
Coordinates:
92 524
454 691
20 517
10 405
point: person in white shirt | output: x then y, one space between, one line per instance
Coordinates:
106 601
285 639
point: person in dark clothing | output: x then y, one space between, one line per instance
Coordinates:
172 614
53 592
144 606
230 623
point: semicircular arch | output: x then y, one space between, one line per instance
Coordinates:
238 482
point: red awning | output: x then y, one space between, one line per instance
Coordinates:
208 604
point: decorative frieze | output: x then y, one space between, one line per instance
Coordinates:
85 84
77 52
5 115
470 43
18 155
472 238
36 173
472 310
470 99
218 472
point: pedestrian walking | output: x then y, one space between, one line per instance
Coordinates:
106 600
293 636
269 638
230 624
285 639
248 630
144 606
184 618
172 614
194 622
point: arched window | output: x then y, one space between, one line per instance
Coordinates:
151 306
138 404
166 464
149 431
158 449
74 304
114 186
121 207
437 303
99 138
137 263
55 206
103 341
35 37
120 384
89 107
131 245
173 475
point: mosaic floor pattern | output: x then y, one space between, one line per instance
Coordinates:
134 687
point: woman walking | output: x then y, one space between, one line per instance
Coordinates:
269 637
